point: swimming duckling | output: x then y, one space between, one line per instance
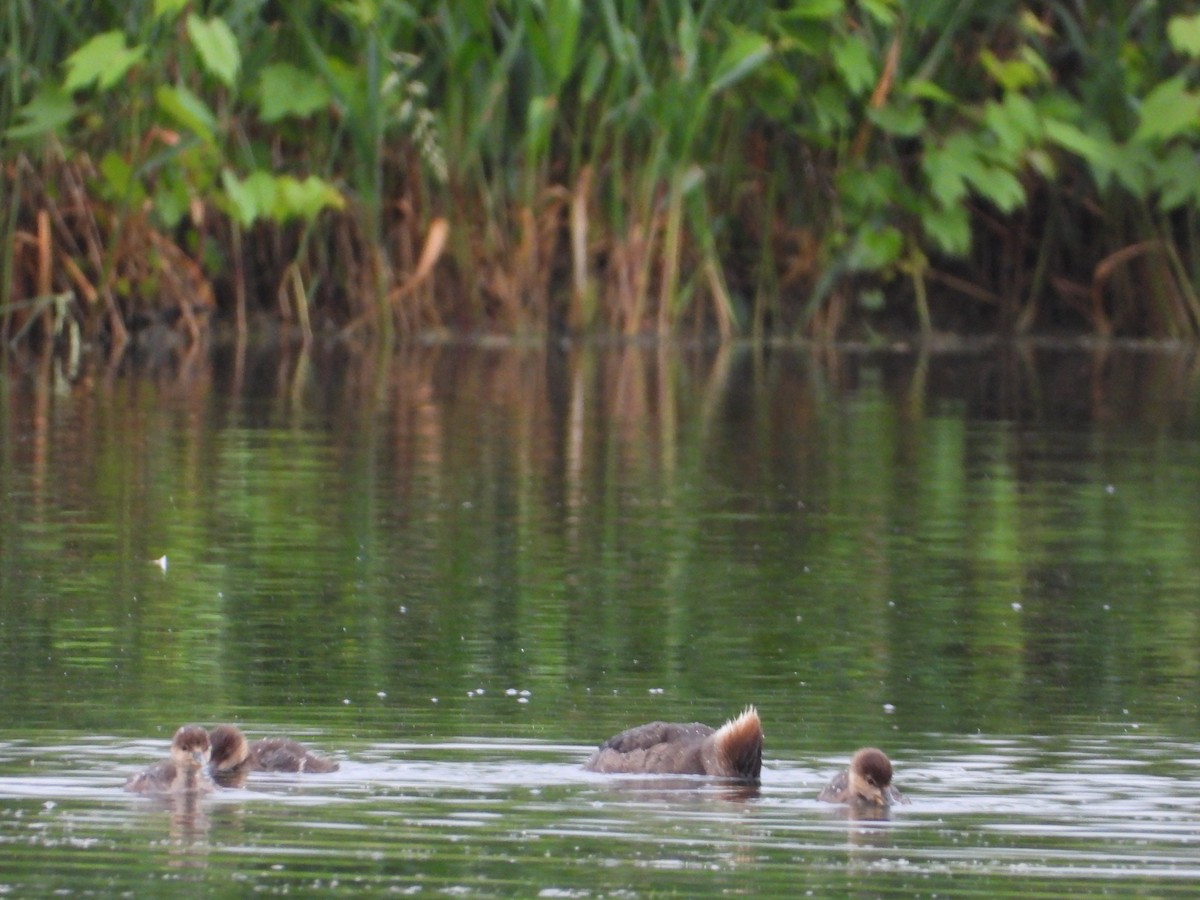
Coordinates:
233 756
732 751
868 780
183 772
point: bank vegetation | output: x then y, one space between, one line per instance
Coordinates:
803 168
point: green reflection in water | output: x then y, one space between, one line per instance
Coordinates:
865 546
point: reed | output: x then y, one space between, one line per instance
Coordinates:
818 168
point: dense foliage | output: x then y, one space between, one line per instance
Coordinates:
814 167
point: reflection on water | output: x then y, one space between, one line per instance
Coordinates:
461 568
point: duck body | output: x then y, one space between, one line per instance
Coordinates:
666 748
233 757
184 772
286 755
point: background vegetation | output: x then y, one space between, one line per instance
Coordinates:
809 167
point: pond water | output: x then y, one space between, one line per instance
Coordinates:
458 569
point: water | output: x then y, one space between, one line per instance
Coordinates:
459 571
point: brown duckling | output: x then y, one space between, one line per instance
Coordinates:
868 780
732 751
181 774
233 756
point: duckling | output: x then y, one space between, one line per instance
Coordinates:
868 780
184 772
233 756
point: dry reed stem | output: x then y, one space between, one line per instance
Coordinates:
435 245
578 316
1105 269
668 288
44 254
82 283
879 96
722 303
189 287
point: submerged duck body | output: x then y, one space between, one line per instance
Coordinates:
732 751
233 757
184 772
867 781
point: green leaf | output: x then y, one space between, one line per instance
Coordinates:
1135 167
1184 33
217 46
47 110
875 248
949 166
863 191
1168 111
1175 179
284 90
120 181
1015 123
306 199
563 18
1001 187
855 64
831 109
171 200
949 228
1010 74
187 110
923 89
884 12
1099 153
263 195
902 119
594 71
104 59
169 7
364 13
539 120
823 10
963 161
250 198
745 53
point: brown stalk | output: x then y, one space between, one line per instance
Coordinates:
43 270
879 96
580 275
1105 269
189 286
95 254
431 252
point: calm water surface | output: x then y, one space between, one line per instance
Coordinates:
459 569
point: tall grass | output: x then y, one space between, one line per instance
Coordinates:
814 167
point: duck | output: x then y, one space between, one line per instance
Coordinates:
233 756
184 772
867 781
665 748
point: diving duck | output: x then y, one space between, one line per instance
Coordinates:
732 751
